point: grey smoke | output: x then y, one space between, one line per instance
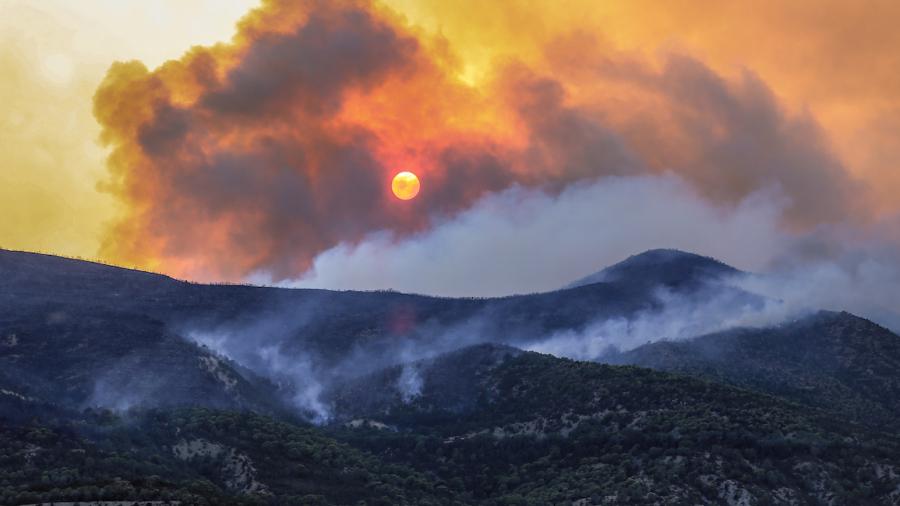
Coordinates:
838 273
266 345
294 373
837 268
307 389
678 317
410 382
525 240
258 345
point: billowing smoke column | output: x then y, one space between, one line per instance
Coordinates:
257 155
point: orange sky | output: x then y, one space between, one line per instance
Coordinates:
831 67
836 58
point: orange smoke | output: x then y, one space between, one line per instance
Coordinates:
259 154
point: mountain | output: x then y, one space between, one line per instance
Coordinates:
76 334
445 385
533 429
833 361
536 429
123 385
81 356
78 331
661 267
198 457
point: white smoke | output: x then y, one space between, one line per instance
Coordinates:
866 284
677 317
307 389
528 240
263 345
410 382
522 241
252 347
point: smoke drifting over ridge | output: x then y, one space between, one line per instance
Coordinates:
504 243
279 146
524 241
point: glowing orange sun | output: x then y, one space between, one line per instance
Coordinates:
405 185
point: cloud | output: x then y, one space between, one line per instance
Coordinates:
257 156
736 138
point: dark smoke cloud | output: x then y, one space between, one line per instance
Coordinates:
253 158
730 138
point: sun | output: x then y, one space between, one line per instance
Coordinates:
405 185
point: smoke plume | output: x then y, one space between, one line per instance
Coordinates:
253 157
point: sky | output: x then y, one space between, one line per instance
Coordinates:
256 141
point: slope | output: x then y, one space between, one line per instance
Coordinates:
834 361
543 430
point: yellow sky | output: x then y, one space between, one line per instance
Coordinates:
836 59
53 54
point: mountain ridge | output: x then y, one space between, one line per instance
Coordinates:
268 330
833 360
630 435
668 266
37 263
123 386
